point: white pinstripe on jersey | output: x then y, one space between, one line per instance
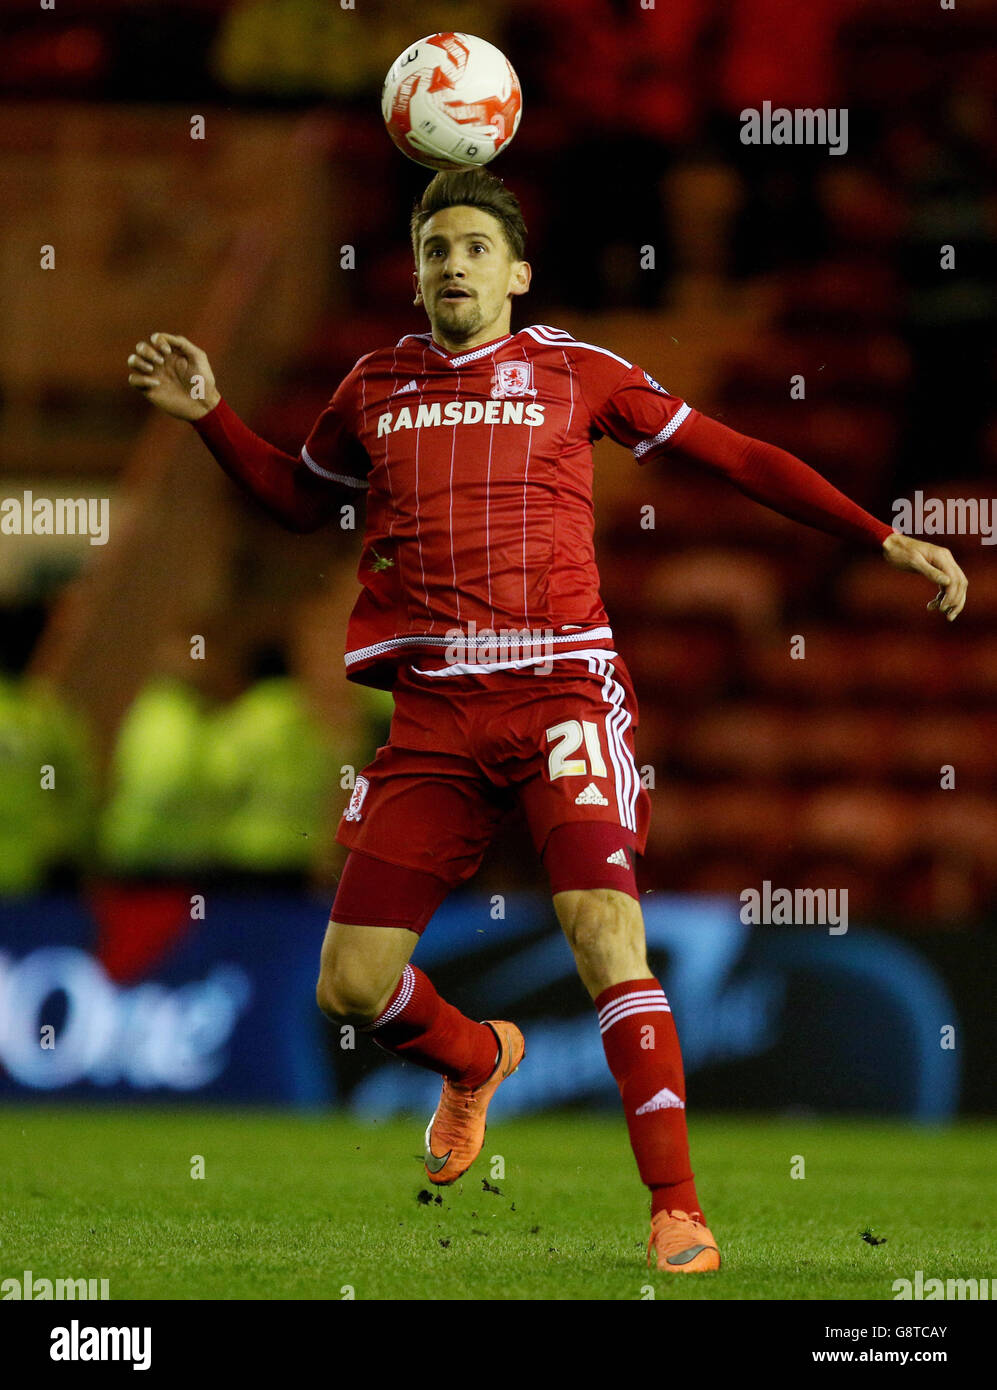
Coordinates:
387 451
526 480
453 556
418 532
571 388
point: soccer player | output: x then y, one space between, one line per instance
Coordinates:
480 611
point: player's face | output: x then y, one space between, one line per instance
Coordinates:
467 277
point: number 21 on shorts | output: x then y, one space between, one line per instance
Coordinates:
570 734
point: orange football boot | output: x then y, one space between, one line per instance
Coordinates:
456 1132
683 1244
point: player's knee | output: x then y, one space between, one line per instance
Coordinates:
603 926
345 997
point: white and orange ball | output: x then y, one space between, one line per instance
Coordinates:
451 101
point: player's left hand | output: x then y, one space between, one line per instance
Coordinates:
935 563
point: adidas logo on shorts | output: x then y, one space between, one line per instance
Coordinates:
619 857
591 796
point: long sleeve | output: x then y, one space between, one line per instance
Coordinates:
290 491
778 479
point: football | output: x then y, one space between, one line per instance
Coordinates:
451 101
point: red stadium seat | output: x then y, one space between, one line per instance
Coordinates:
863 212
912 668
655 738
698 507
724 873
705 821
736 585
871 366
745 817
840 294
676 663
735 741
978 669
937 889
923 744
872 591
674 824
864 883
863 823
831 744
961 825
826 673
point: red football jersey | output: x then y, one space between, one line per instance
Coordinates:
477 466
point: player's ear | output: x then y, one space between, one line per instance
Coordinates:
522 274
415 286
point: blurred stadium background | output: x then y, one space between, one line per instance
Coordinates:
163 903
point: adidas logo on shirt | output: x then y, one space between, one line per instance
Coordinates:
664 1100
619 857
591 796
409 386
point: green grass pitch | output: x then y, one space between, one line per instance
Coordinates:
304 1206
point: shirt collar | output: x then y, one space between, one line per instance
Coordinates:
472 355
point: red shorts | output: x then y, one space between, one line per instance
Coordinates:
463 750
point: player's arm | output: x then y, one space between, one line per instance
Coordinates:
635 410
166 369
785 483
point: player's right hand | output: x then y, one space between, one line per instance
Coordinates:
174 375
935 563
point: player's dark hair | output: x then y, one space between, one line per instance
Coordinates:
474 188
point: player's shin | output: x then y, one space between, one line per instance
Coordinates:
421 1027
642 1049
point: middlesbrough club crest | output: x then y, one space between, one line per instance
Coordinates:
356 800
512 379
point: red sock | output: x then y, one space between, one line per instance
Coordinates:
642 1049
420 1027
